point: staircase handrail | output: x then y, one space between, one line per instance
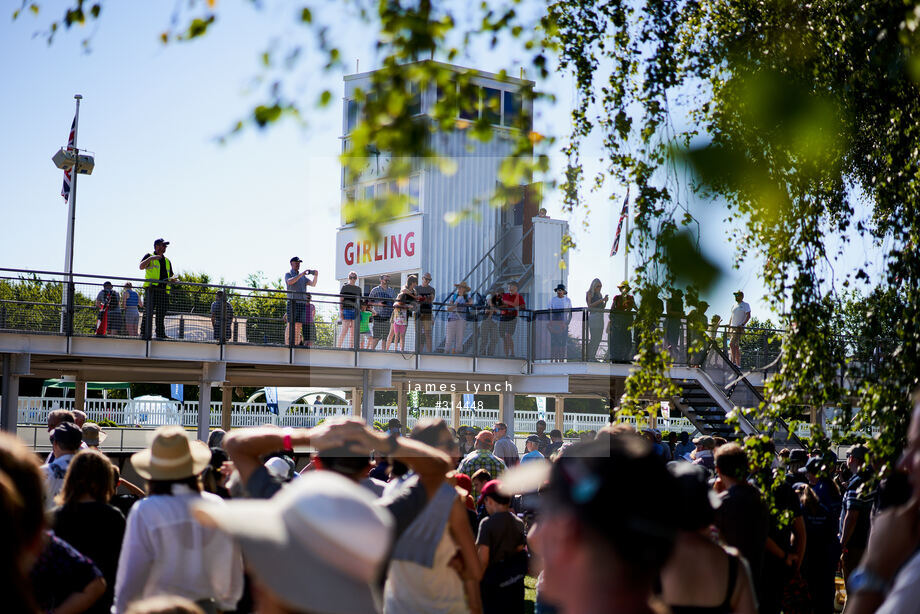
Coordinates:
742 378
489 253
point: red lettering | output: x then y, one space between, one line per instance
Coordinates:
377 255
366 256
395 246
410 245
385 245
349 253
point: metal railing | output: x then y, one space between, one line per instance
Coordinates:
41 302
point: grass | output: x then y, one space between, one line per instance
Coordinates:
530 594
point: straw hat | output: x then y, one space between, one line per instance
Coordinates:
463 284
171 456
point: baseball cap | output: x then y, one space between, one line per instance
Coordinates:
694 497
464 482
859 451
160 240
484 436
533 439
490 488
321 540
814 466
67 435
705 441
296 259
738 292
588 481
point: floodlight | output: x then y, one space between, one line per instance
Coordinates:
64 158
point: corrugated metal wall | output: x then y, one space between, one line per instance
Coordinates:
451 251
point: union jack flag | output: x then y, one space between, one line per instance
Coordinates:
65 191
623 215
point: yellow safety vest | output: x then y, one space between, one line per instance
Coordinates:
152 273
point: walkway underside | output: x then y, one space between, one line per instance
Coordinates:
709 393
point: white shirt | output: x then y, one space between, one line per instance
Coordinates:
905 594
167 552
739 314
54 473
558 302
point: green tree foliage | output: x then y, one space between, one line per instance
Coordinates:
797 115
28 303
794 114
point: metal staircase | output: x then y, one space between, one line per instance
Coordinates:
501 264
714 389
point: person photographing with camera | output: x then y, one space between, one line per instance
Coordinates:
158 272
297 283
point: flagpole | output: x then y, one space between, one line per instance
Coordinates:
67 291
626 250
72 201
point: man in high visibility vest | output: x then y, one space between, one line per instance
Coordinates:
158 272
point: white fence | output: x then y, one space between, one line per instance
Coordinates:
136 412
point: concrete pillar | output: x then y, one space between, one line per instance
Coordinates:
204 409
226 407
456 399
79 394
506 410
9 404
356 402
367 399
402 404
559 421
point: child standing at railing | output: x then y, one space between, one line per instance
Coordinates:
399 323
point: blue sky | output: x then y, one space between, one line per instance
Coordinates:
151 114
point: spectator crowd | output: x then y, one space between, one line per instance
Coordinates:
379 319
345 519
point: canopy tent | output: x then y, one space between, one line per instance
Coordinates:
66 384
288 395
60 383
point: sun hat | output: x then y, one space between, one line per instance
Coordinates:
320 541
171 456
623 284
560 287
484 436
463 284
92 434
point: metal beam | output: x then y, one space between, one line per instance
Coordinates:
9 402
204 409
367 398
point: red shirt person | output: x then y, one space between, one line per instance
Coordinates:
512 303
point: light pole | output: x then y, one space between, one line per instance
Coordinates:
65 159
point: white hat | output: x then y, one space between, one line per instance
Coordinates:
320 541
171 456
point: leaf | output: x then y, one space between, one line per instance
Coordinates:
688 265
306 16
325 98
264 115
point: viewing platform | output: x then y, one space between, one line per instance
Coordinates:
242 337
